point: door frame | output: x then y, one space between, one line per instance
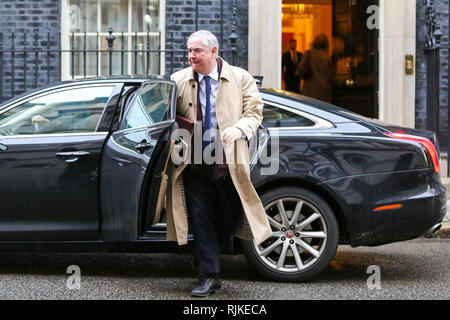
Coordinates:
397 28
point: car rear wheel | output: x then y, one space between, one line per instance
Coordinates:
304 239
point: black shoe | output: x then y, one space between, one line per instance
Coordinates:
208 285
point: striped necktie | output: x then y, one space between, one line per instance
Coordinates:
207 119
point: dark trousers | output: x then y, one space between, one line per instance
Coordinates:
292 83
213 207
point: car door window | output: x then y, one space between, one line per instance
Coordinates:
150 105
274 117
68 111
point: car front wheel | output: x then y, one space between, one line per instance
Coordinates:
304 237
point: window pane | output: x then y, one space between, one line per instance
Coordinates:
151 105
136 117
90 58
83 15
156 99
98 16
145 15
147 63
74 110
114 15
275 117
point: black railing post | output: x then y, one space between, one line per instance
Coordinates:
171 52
13 67
148 53
59 58
48 57
73 55
97 54
122 55
1 66
36 58
135 53
110 38
233 36
448 100
221 28
84 53
432 51
159 53
24 62
196 15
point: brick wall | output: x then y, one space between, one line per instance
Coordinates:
33 21
442 7
29 23
180 23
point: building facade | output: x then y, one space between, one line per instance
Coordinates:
379 47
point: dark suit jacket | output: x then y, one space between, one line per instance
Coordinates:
291 80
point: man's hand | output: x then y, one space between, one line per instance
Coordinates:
39 118
230 135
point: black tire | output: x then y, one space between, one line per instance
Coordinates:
325 248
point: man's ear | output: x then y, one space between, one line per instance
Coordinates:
214 51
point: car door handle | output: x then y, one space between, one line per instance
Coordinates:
73 154
144 145
3 147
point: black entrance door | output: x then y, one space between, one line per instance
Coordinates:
355 56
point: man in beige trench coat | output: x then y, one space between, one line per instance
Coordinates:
217 203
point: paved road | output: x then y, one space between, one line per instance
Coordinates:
416 269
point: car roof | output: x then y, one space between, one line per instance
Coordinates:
303 103
297 101
127 79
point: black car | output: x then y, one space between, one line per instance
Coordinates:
81 167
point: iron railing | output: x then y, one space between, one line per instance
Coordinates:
433 50
29 61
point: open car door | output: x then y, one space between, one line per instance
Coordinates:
133 181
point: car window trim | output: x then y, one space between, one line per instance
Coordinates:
150 126
75 86
48 135
320 123
72 87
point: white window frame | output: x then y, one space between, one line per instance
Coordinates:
66 36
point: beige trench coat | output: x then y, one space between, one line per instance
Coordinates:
238 104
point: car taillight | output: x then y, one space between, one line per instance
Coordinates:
429 146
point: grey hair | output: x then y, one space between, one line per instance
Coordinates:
207 38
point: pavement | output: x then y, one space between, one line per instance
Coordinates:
407 270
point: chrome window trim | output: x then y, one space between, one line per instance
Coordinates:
50 135
320 123
65 88
151 126
55 90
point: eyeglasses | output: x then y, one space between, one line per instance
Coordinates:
197 51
